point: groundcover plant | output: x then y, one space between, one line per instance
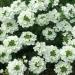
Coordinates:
37 37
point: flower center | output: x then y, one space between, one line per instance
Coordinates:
68 53
63 69
49 32
27 36
53 53
9 24
12 43
2 55
26 18
37 64
17 67
42 17
18 3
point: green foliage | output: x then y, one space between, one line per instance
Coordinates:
8 2
5 2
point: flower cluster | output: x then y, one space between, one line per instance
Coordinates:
35 34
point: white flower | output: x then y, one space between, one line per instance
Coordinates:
54 16
12 43
2 34
63 68
9 25
68 10
72 42
18 6
67 53
67 37
63 26
36 5
40 47
55 3
26 18
73 31
51 54
37 65
42 19
28 38
1 71
6 12
5 56
49 34
16 67
24 59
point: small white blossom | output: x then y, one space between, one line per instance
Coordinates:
55 3
54 16
6 12
67 53
18 6
67 37
49 34
36 5
51 54
9 25
24 59
63 68
73 31
63 26
68 10
72 42
3 34
12 43
5 56
16 67
1 71
37 65
26 19
40 47
42 19
28 38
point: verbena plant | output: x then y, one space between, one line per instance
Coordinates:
37 37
